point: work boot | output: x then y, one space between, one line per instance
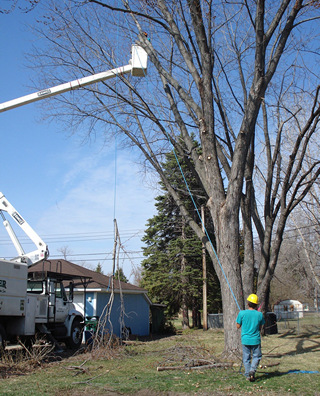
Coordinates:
252 376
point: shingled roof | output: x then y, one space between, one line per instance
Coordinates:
95 279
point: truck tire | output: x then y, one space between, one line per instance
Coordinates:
75 339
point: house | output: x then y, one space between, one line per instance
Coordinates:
92 291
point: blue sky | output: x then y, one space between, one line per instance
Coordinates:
69 192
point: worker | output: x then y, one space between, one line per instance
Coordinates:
250 321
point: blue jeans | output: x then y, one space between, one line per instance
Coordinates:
251 356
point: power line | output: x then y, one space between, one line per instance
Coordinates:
77 237
102 259
102 253
133 254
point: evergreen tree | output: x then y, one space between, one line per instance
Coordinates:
119 274
172 271
99 268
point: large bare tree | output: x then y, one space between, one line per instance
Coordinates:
230 74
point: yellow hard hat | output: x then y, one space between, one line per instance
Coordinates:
253 298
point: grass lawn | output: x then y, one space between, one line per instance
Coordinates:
132 369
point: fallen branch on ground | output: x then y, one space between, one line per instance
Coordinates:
86 381
81 369
207 366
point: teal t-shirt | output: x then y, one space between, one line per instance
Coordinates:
250 321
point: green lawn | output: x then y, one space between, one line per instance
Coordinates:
132 369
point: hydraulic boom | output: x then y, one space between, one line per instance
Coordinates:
42 249
137 67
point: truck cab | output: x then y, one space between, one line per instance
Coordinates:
37 301
54 311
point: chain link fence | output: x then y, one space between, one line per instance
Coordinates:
281 322
215 321
298 322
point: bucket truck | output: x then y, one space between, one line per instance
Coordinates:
34 302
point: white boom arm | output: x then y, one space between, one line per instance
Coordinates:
137 66
42 249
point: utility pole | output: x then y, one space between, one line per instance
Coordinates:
204 277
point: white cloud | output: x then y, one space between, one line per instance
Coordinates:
89 201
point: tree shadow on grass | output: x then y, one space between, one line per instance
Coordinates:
308 333
264 376
310 336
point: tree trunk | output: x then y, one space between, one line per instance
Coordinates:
247 271
185 315
229 274
196 317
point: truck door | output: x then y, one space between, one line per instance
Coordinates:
62 303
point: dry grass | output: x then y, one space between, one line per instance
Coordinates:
22 360
132 368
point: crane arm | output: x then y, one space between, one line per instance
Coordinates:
137 67
42 249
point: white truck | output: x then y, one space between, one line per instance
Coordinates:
35 302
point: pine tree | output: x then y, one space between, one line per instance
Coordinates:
119 274
172 270
99 268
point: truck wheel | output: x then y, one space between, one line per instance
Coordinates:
75 339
